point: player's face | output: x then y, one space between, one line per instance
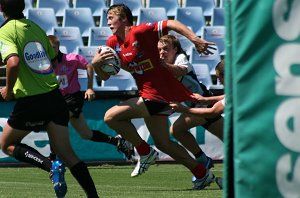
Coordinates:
166 52
114 23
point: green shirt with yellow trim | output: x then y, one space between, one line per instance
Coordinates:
27 40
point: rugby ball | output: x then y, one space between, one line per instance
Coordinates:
111 66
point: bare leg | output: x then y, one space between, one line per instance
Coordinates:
10 137
59 140
119 118
81 127
180 131
158 127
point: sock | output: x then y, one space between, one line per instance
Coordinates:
25 153
198 154
199 171
143 149
102 137
82 175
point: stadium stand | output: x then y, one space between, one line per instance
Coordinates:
98 36
203 74
96 6
206 5
63 49
134 5
80 17
215 34
123 81
103 20
28 5
151 15
70 37
44 17
87 51
58 5
185 43
193 17
211 60
169 5
218 17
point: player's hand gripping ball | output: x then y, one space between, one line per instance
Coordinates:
110 66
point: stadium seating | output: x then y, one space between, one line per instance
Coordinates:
215 34
103 19
83 80
80 17
211 60
58 5
87 51
169 5
63 49
70 37
203 74
193 17
28 5
98 36
96 6
206 5
185 43
134 5
44 17
218 17
151 15
122 81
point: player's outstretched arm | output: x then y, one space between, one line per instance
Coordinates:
202 46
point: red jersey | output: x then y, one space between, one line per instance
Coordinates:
139 53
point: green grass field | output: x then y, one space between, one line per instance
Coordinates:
161 181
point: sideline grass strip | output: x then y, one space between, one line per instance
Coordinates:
163 180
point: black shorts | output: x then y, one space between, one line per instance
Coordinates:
158 107
75 103
33 113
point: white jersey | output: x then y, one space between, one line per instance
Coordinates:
190 79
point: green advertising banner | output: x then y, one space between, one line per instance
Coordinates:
262 86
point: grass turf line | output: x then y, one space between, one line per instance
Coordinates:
163 180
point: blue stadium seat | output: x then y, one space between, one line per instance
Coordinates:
96 6
211 60
218 17
58 5
80 17
206 5
169 5
151 15
63 49
203 74
122 81
87 51
193 17
28 5
215 34
185 43
99 36
134 5
69 37
44 17
103 19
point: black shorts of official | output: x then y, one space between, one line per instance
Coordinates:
75 103
158 107
33 113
